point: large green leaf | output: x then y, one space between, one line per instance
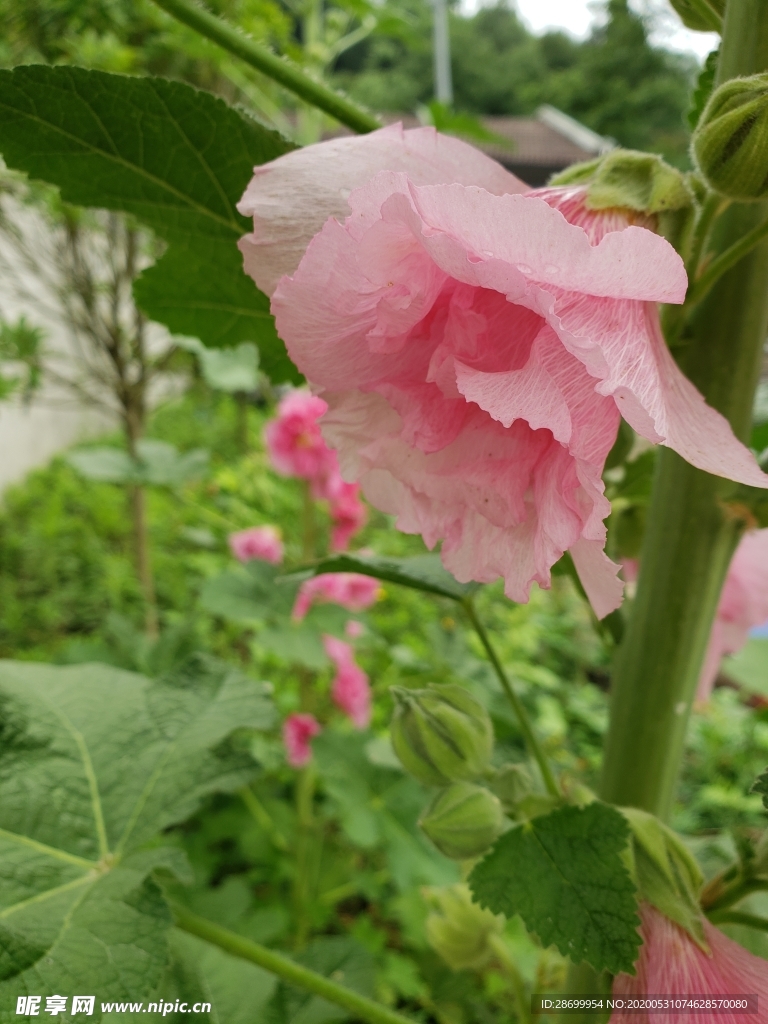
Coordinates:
94 764
176 158
563 874
424 572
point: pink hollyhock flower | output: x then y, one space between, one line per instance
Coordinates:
348 513
258 542
351 590
298 731
350 690
294 442
476 347
743 604
671 963
354 629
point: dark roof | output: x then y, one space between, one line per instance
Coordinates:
536 147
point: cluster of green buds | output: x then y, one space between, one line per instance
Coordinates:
730 142
464 934
444 737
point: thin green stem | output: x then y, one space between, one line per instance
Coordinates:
509 967
307 843
358 1006
261 815
531 739
279 69
725 261
712 205
727 888
739 917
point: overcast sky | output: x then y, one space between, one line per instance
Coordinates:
577 16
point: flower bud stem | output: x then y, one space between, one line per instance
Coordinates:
532 742
725 261
359 1007
279 69
739 917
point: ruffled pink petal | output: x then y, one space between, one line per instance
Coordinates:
621 342
258 542
318 180
298 732
598 575
672 964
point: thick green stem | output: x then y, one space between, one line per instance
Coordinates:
531 739
692 529
725 261
359 1007
279 69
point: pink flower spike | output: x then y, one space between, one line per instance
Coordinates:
671 963
743 604
294 442
476 347
258 542
298 731
351 590
350 689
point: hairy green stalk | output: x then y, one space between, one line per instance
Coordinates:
279 69
693 528
360 1007
529 734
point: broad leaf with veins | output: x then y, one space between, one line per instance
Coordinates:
94 763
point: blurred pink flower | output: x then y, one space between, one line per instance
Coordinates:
476 347
354 629
298 731
351 590
294 442
350 690
671 963
258 542
743 604
348 513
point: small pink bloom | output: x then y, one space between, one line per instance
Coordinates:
476 347
348 514
351 590
294 442
350 690
743 604
258 542
672 964
354 629
298 731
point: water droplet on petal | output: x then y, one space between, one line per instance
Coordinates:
551 269
523 268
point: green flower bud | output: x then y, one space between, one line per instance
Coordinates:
460 931
512 783
441 733
463 820
731 139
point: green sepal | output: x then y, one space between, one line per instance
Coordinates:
701 15
629 180
665 872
